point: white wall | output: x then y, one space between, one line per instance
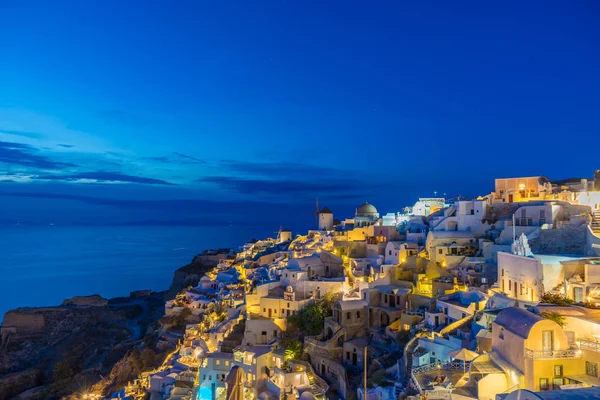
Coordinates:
520 270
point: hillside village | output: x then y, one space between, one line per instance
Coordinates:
496 297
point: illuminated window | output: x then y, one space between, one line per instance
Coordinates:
218 362
558 370
591 369
544 384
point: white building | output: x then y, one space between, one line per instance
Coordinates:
213 375
426 206
397 252
325 219
526 276
366 215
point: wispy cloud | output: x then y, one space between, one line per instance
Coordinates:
280 169
279 187
165 160
26 155
183 205
67 146
103 176
197 160
176 158
26 134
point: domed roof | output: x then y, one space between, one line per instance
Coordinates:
366 210
307 396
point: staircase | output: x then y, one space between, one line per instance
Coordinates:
314 388
234 339
455 325
408 352
318 387
595 226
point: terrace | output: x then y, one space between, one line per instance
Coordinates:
441 381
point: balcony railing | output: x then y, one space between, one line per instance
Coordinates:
589 345
431 392
434 367
552 354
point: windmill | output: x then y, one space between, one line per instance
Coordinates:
316 212
278 232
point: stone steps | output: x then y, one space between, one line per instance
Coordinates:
595 225
314 389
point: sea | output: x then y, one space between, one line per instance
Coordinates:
44 265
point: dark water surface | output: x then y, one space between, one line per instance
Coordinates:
42 266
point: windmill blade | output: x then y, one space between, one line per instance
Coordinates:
317 212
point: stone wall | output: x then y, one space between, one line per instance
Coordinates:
332 371
560 241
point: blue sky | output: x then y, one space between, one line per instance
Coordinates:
124 111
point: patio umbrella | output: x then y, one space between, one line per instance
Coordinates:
464 355
235 384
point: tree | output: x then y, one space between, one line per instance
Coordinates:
62 370
293 349
309 320
329 299
556 317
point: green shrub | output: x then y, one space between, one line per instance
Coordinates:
293 349
556 317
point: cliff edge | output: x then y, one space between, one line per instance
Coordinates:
58 350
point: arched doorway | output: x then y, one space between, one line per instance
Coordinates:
384 319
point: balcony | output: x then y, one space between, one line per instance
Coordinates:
425 379
552 354
589 345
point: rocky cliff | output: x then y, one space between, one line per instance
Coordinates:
189 275
88 341
60 350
